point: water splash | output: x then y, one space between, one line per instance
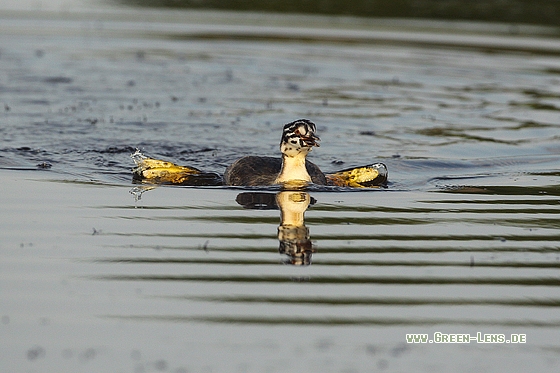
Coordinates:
137 192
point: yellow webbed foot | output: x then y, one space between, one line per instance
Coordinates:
370 176
156 171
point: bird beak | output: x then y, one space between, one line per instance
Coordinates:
311 140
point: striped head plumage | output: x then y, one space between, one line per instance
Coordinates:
298 137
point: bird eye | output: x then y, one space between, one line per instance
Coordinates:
296 131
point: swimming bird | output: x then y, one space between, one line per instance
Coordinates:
293 170
298 139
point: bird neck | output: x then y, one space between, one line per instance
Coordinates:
293 169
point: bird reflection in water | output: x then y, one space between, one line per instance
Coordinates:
293 235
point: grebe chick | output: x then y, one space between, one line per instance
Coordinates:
298 138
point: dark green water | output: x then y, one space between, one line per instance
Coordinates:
464 240
539 12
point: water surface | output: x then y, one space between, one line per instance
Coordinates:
465 239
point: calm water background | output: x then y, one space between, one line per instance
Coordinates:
465 239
